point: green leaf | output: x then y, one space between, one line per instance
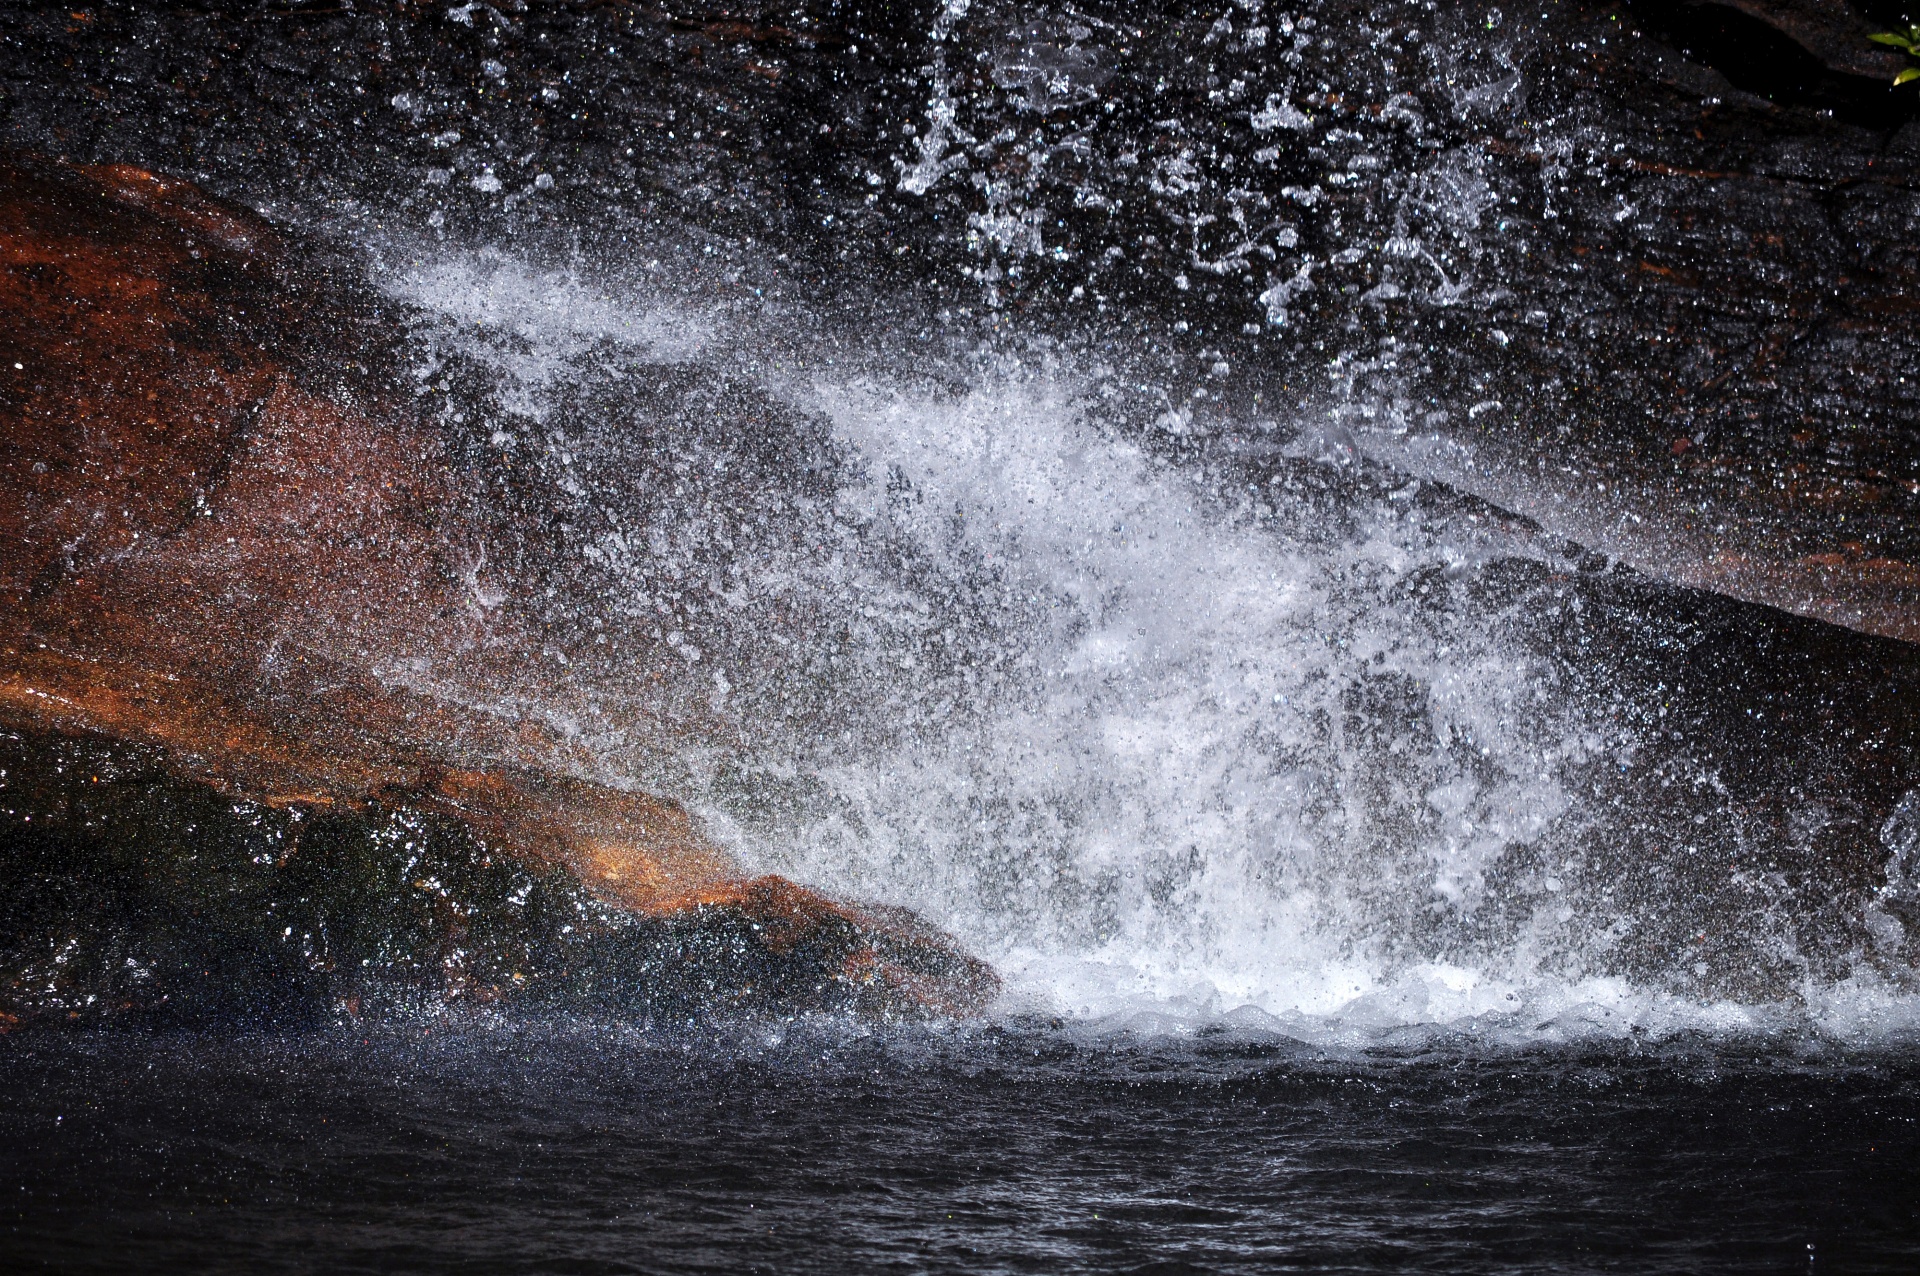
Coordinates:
1889 37
1911 73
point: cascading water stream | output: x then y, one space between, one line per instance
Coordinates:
1018 466
1287 738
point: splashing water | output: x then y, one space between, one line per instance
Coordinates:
1166 803
1020 463
1275 738
1156 700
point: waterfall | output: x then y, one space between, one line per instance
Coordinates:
1163 712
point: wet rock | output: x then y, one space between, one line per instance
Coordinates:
1535 251
1701 371
131 894
804 949
226 540
1832 30
214 550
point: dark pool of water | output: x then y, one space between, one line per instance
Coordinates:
436 1147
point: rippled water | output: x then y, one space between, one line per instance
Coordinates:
1018 1148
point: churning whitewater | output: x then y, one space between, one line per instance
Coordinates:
1170 720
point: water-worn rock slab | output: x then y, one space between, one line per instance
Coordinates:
131 893
212 549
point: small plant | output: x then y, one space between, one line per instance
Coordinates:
1908 43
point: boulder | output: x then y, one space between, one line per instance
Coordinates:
227 540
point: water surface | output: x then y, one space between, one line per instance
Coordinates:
823 1148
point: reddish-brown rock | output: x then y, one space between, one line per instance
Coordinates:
210 541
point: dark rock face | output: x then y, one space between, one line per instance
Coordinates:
207 551
132 895
1640 272
1813 736
1714 365
1831 31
